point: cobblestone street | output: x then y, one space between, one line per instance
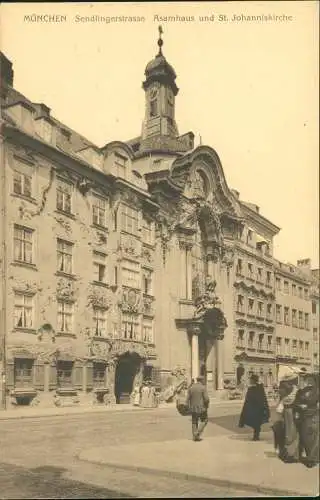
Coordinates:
39 455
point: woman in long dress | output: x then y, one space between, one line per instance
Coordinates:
307 405
255 411
285 427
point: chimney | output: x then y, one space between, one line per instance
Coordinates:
304 264
6 70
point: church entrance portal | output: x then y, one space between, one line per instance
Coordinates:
127 368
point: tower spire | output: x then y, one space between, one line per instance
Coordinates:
160 41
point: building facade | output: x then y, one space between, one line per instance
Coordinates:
129 261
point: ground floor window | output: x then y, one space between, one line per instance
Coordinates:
99 374
23 372
147 330
64 373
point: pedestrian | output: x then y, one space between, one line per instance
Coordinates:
198 402
255 411
285 426
307 406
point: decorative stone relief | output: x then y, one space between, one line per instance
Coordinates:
147 305
100 349
100 238
65 289
64 223
147 256
24 286
98 297
129 246
208 299
130 301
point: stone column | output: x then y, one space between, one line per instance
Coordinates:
213 355
219 357
46 377
84 378
189 273
194 356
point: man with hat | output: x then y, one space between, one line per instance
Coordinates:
198 401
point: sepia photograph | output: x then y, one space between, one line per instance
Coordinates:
159 250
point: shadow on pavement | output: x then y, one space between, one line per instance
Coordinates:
230 423
47 482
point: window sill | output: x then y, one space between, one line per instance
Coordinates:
66 334
148 245
100 228
25 198
25 330
100 283
186 301
66 214
66 275
101 338
134 235
18 263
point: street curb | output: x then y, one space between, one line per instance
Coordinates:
223 483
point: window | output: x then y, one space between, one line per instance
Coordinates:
269 311
130 327
300 319
64 195
186 273
300 291
99 267
147 330
269 342
286 316
251 339
278 313
278 345
153 107
99 374
251 306
23 311
259 274
287 347
294 290
294 347
121 166
99 211
147 282
129 220
240 339
278 283
64 256
23 372
314 308
99 322
306 321
22 184
65 317
239 266
260 341
23 244
260 309
249 237
64 373
315 334
306 347
300 348
250 270
240 303
306 294
148 232
131 274
294 317
286 287
268 278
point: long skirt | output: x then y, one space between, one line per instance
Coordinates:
289 448
309 436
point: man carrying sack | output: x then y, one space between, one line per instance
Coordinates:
198 401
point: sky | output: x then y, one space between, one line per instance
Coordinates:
248 88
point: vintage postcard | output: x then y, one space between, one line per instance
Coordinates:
159 249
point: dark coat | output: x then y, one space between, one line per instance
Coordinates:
255 411
198 399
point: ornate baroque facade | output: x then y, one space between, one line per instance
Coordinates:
128 261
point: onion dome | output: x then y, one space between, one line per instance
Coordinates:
159 70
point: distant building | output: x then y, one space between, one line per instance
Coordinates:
133 261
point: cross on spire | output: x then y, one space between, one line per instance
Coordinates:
160 41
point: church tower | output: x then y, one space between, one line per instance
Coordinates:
160 92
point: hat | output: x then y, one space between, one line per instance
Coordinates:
289 377
288 373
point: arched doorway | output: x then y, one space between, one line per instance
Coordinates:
128 366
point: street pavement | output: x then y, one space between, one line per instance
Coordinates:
45 457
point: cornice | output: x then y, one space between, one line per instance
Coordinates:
260 219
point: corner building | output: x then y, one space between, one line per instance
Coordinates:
108 251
